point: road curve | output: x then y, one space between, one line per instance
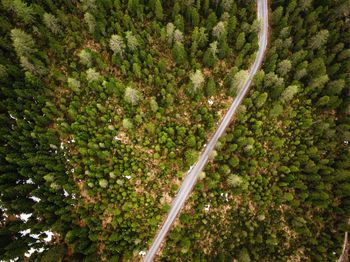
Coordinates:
192 175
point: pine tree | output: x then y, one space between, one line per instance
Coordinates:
210 56
179 53
117 45
319 39
210 88
289 93
197 80
170 28
90 21
85 57
132 96
92 75
238 81
158 10
219 31
22 42
240 41
131 41
24 12
52 23
284 67
178 36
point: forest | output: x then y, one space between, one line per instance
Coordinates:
106 104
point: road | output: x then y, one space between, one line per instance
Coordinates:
192 176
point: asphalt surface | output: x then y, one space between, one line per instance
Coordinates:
192 175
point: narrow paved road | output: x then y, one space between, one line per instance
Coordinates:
193 173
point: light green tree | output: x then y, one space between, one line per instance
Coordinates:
289 93
319 39
90 21
85 57
117 45
74 84
158 10
234 180
284 67
92 75
132 96
131 41
178 36
36 69
197 80
170 28
22 42
219 31
127 124
238 81
52 23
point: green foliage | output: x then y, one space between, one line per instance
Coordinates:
132 96
179 53
23 43
52 23
97 130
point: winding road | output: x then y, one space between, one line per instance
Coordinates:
192 175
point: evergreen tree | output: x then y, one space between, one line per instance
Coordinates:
179 53
132 96
52 23
22 42
158 10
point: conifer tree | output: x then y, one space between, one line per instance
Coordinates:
22 42
52 23
179 53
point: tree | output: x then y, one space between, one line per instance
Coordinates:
154 105
318 40
240 41
197 80
178 36
35 69
90 21
210 56
22 42
131 41
210 87
276 110
24 12
227 5
74 84
85 57
117 45
179 53
238 81
234 180
127 124
158 10
92 75
260 100
219 31
284 67
170 28
289 93
132 96
52 23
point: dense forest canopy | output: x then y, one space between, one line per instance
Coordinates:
105 104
